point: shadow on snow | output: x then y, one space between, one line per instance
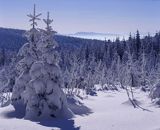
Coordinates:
75 105
63 124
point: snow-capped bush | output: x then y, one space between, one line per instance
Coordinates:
155 94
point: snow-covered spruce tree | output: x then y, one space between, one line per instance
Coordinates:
73 77
28 56
47 81
38 88
154 77
155 94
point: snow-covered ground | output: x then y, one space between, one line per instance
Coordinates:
106 111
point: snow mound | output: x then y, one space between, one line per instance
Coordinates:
128 103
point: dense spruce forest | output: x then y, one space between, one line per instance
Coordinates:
134 61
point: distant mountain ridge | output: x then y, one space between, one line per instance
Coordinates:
94 35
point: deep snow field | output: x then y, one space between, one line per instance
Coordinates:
107 111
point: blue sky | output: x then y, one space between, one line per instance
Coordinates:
106 16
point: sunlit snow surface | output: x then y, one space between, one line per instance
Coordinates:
106 111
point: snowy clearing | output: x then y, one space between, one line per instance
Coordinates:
107 111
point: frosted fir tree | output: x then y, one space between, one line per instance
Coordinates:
28 55
43 96
37 91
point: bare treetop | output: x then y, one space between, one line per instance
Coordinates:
48 21
34 17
